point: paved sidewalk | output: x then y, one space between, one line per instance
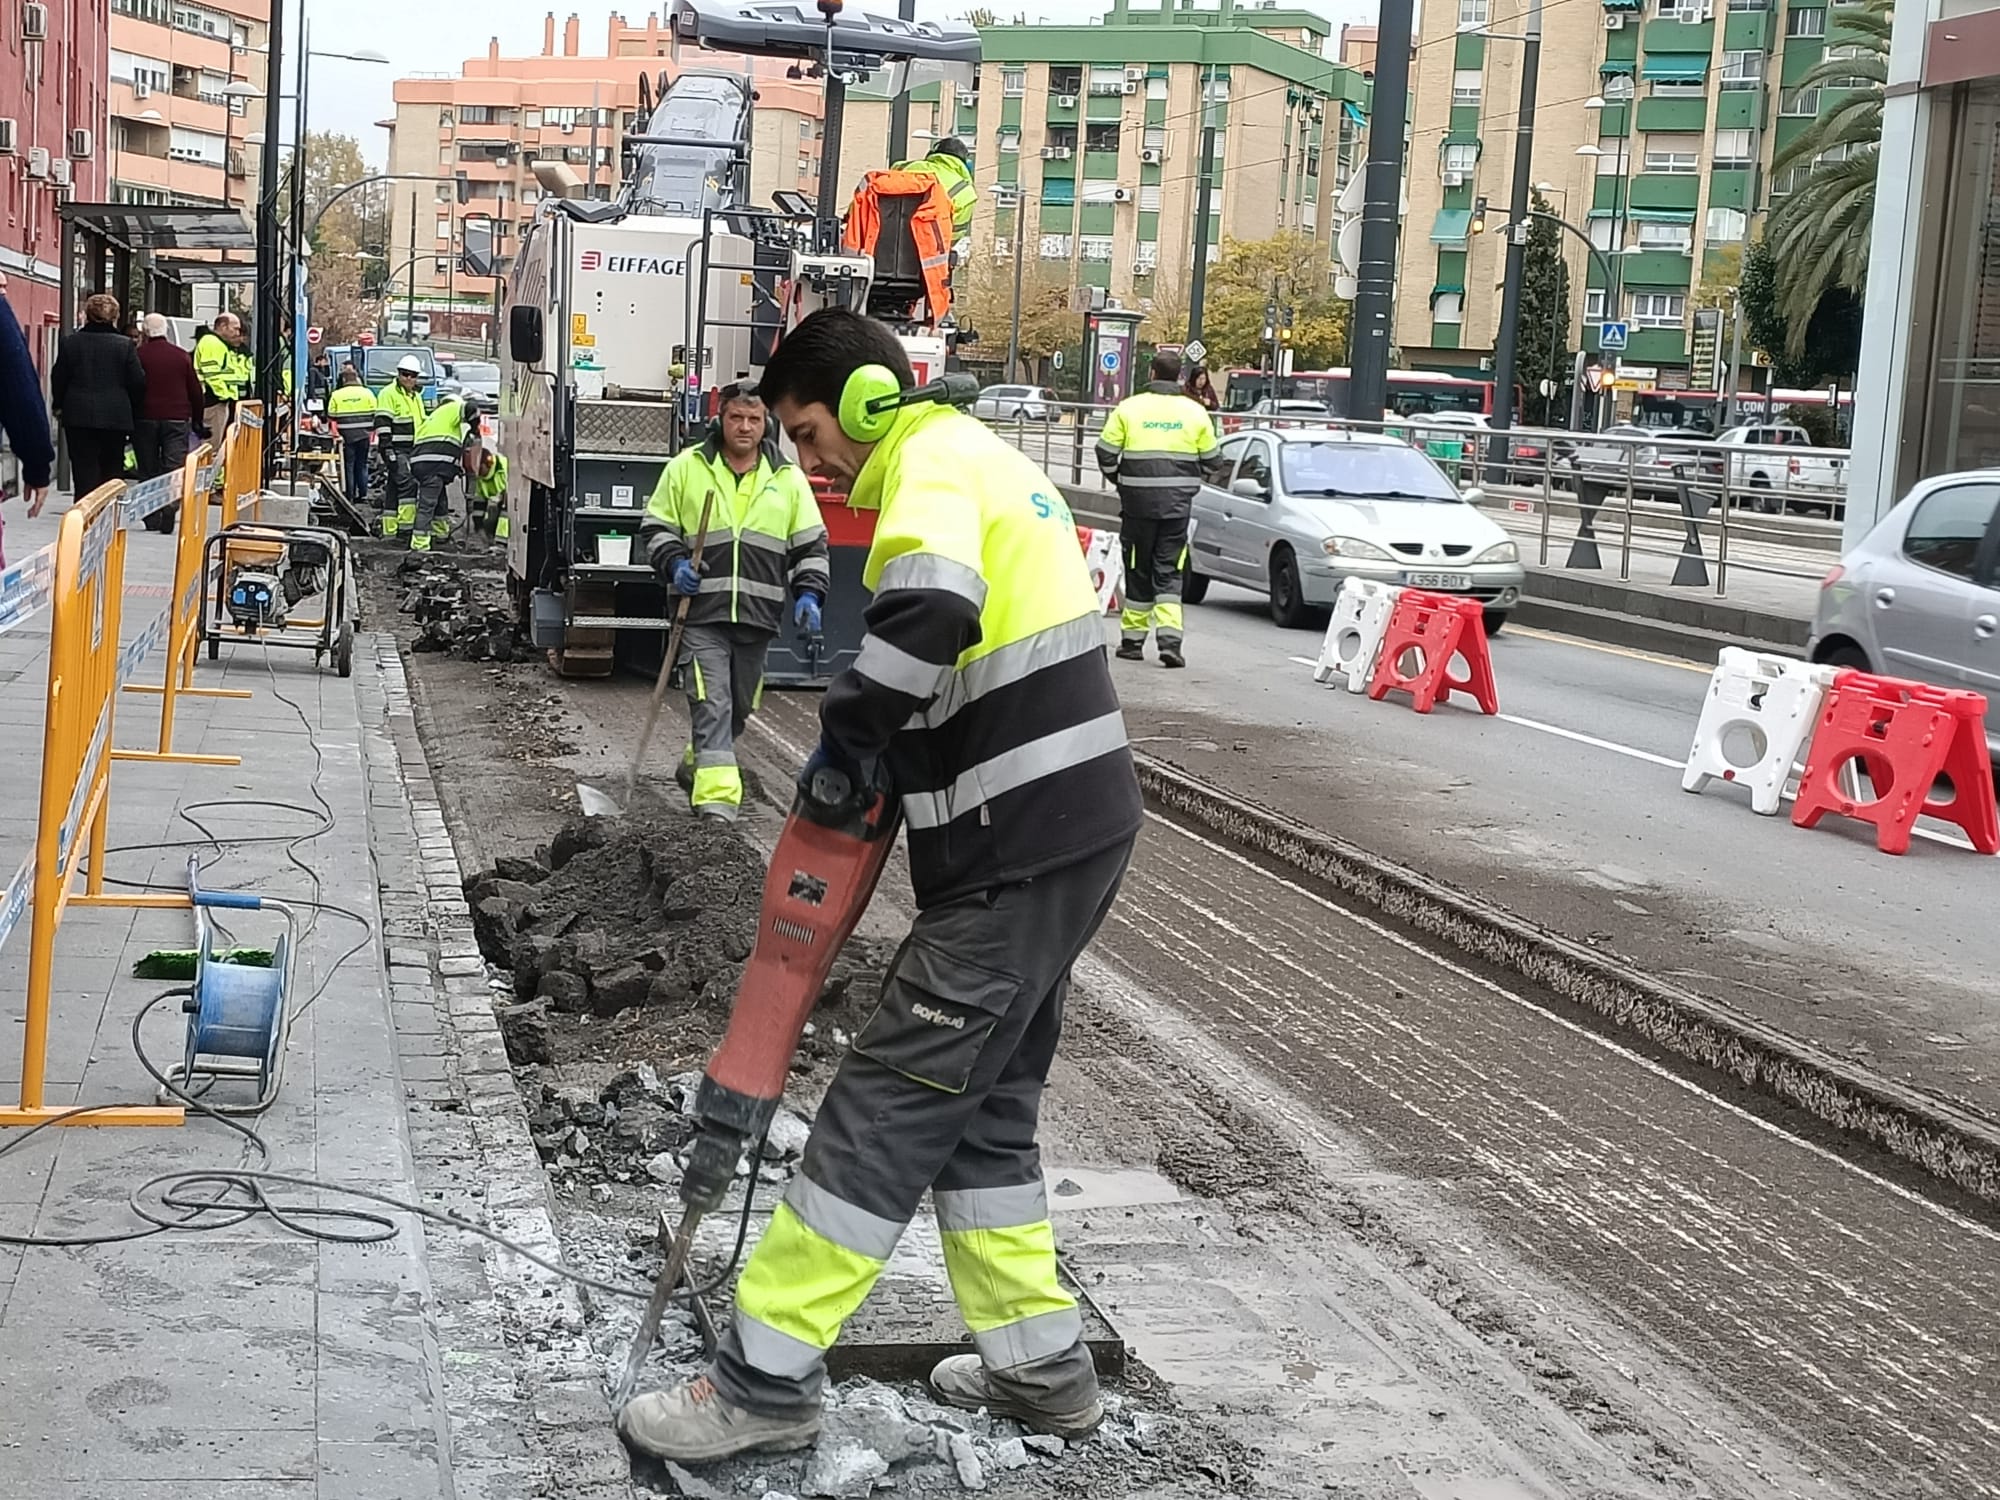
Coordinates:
252 1361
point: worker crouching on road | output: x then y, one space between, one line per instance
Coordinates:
981 695
398 412
351 406
1156 447
765 544
438 457
488 471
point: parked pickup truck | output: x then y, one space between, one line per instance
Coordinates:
1774 467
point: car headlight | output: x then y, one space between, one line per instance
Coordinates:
1499 552
1354 548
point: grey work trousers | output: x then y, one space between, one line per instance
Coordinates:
941 1090
433 502
722 670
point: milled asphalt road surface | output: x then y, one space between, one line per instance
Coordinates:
1568 810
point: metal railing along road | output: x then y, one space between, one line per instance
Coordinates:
1572 499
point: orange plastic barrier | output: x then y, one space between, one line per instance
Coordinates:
1436 627
1906 735
183 627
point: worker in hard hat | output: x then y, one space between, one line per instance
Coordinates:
947 163
398 411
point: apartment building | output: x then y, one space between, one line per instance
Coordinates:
1098 130
1654 134
481 131
177 126
52 92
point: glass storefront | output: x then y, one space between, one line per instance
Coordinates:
1959 384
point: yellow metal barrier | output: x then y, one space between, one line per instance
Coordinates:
198 479
243 464
85 664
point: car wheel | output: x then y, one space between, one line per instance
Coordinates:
1495 621
1288 598
1194 587
1767 503
1847 655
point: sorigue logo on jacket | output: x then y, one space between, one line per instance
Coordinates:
632 265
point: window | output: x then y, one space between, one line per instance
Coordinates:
1677 88
1107 78
1799 104
1603 233
1658 309
1843 53
1593 305
1665 236
1742 70
1055 247
1833 154
1686 11
1673 151
1749 4
444 229
532 118
1465 87
1095 247
1617 87
1789 181
1732 149
1156 88
1059 191
1010 140
1065 78
195 145
1948 525
1154 138
1461 157
1472 13
475 114
1149 198
1148 257
1216 89
1725 226
1101 190
1256 463
1805 22
1448 307
1616 156
1100 137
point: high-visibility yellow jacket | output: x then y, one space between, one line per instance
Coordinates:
397 415
439 446
216 363
1155 447
956 179
982 677
492 482
352 408
766 541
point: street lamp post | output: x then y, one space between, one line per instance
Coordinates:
268 311
1614 273
1014 321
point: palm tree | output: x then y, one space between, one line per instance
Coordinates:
1820 233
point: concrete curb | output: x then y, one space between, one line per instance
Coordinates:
1959 1147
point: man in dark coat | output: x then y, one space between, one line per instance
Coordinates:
24 417
98 389
174 402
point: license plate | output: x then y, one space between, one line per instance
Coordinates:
1446 581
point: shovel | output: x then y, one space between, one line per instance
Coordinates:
596 802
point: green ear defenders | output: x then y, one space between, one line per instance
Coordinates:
869 402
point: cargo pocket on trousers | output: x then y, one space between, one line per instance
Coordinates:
935 1017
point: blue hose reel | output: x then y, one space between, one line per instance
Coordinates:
237 1016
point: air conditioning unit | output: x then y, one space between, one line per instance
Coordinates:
1065 101
1454 179
38 161
1055 153
7 129
80 145
1144 267
1152 156
1135 75
1121 195
1129 88
141 89
1613 21
569 127
59 172
34 23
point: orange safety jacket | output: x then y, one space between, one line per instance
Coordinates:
930 224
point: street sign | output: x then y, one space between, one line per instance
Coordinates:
1647 373
314 334
1196 351
1611 336
1547 388
1109 360
1593 378
365 338
1055 359
1627 383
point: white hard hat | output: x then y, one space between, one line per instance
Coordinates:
409 364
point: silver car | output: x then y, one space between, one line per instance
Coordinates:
1919 596
1005 403
1293 512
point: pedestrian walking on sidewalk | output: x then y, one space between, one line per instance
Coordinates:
982 698
1156 448
24 416
765 556
440 455
352 408
98 389
173 405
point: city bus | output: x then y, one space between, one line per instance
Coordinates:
1701 411
1411 392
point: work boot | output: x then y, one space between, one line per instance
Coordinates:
1131 650
697 1424
1170 656
962 1381
389 525
419 542
684 774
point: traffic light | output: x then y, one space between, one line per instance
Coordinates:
1478 225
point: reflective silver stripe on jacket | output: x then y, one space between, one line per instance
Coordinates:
1011 663
927 570
773 1352
896 669
1015 768
749 588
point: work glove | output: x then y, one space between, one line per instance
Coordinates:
805 613
831 779
686 580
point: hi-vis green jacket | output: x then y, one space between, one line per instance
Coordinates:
1155 448
982 678
765 537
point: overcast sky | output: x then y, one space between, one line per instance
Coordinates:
419 37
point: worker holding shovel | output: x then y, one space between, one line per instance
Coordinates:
733 527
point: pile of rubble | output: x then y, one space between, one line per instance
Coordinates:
453 612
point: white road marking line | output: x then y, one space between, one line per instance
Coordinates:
1528 632
1658 1070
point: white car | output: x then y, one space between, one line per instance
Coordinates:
1292 512
1006 403
1774 467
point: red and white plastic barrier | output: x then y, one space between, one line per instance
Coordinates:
1426 633
1761 704
1354 635
1101 554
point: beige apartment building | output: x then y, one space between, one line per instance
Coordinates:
488 125
177 126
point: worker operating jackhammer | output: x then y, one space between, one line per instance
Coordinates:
982 696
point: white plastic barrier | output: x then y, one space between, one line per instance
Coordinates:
1106 562
1354 635
1756 722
